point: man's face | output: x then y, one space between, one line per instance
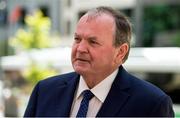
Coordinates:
93 51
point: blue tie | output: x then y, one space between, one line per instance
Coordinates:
87 95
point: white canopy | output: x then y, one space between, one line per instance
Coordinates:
140 59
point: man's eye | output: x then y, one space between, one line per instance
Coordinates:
93 42
77 39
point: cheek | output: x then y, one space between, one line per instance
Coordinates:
109 55
73 52
104 56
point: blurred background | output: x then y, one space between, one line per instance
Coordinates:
36 38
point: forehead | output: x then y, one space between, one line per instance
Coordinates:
101 23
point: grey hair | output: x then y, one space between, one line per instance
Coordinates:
123 29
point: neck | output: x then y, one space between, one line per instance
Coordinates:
93 79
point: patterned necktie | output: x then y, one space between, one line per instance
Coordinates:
87 95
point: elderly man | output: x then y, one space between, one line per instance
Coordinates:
100 86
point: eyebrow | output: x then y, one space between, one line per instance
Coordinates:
75 34
91 37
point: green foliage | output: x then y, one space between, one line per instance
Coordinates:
35 35
36 73
159 18
176 39
2 47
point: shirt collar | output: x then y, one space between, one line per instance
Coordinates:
82 87
101 90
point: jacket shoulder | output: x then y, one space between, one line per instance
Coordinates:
145 88
58 80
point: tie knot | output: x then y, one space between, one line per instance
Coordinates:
87 94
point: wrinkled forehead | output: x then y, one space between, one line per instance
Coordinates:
93 15
99 18
102 24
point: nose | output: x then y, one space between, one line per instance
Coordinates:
82 47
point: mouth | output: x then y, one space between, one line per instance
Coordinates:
80 59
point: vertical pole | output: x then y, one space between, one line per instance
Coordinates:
139 23
1 92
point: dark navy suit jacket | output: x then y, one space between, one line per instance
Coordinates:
128 96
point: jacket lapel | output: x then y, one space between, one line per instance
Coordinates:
65 96
118 95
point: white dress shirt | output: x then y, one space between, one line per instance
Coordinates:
100 92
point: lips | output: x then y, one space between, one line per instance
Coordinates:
81 59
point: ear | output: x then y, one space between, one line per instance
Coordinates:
121 52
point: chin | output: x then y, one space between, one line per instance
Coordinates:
80 70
